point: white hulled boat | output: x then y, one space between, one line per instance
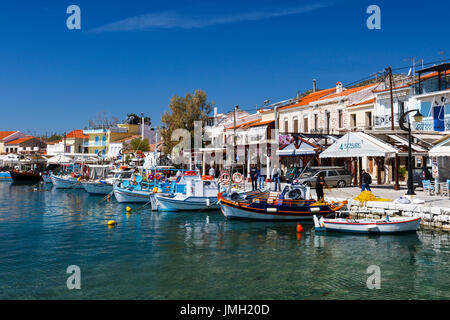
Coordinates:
200 195
66 182
387 225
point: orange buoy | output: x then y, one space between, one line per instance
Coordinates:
299 228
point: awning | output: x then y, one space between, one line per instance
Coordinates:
289 150
441 150
358 144
59 159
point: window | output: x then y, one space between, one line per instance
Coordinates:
340 124
369 120
353 120
305 125
316 121
332 173
286 125
295 125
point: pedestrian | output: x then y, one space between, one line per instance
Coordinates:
260 178
254 177
366 181
276 173
320 183
212 172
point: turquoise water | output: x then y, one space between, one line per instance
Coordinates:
198 255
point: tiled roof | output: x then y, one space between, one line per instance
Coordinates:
310 98
363 102
242 124
77 134
4 134
347 92
261 123
20 140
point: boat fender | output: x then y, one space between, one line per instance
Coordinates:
112 223
155 189
237 177
314 209
273 210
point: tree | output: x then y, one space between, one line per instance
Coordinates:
139 144
133 118
54 137
183 112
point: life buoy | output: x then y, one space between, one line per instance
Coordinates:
190 173
73 174
157 176
237 177
207 177
225 177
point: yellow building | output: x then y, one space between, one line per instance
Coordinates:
99 139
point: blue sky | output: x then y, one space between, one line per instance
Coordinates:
133 56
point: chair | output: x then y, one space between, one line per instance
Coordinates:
428 187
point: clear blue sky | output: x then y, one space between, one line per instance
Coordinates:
131 56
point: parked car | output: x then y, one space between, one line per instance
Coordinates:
333 177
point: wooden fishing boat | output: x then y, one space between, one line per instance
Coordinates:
271 207
386 225
25 177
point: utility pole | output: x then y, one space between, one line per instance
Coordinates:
396 160
142 129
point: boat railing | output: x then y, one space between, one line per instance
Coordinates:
267 199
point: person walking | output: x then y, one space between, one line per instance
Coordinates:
260 178
276 173
254 177
320 183
366 181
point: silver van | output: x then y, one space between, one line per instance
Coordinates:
334 177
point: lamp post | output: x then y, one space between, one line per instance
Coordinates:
418 118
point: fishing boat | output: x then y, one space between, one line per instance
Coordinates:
66 181
126 192
381 226
201 194
25 177
5 176
99 187
292 204
46 177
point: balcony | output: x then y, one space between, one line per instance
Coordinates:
427 124
95 144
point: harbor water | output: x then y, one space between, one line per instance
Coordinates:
199 255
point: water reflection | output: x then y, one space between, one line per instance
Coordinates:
191 255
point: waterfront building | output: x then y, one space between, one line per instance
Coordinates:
26 145
73 142
7 136
99 139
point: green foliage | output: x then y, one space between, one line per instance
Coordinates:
54 137
402 171
139 144
183 112
138 120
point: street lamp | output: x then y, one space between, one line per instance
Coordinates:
418 118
